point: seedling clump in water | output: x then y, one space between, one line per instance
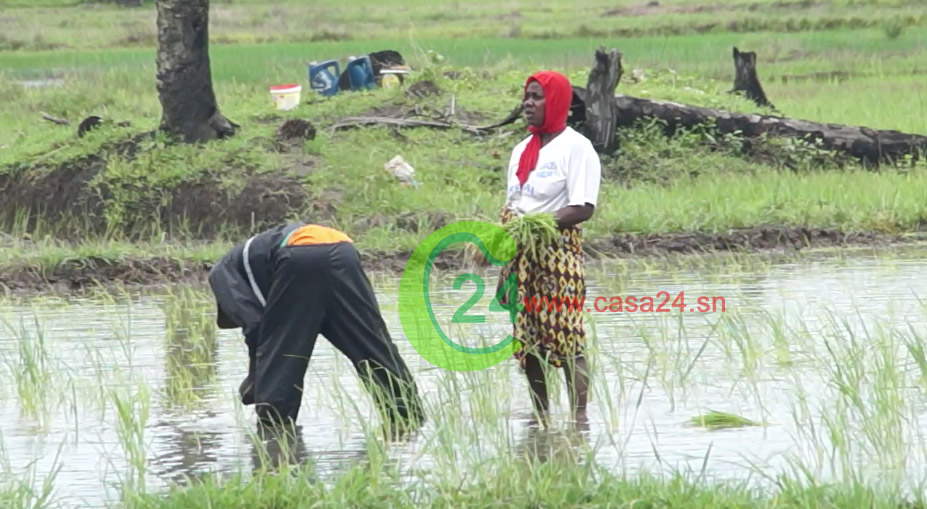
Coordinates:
714 420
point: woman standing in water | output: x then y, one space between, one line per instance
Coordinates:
555 170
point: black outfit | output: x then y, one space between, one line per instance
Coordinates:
309 289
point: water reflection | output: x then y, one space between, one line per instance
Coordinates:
276 448
186 454
541 444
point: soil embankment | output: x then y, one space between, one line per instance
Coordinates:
85 196
81 197
81 274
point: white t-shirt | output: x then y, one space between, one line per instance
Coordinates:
568 172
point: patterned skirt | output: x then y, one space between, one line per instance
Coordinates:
554 279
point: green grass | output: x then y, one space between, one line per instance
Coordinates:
119 82
48 254
513 484
44 26
853 201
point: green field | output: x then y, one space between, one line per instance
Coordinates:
71 200
46 25
697 69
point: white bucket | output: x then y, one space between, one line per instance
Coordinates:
286 97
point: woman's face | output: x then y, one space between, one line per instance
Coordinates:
533 104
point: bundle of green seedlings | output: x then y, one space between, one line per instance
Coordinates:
533 232
714 420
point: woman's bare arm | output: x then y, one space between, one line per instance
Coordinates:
573 215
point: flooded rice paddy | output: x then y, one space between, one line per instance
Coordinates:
827 356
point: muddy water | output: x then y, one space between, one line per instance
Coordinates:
769 356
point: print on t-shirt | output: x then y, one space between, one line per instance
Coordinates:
545 182
549 172
546 171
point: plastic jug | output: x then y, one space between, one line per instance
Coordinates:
323 76
360 73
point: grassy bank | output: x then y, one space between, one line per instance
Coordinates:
652 187
140 188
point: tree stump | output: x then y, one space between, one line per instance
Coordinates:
600 118
184 79
746 80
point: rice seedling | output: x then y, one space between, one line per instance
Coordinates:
19 488
782 336
850 396
865 418
32 371
132 410
99 382
915 345
191 346
740 342
715 420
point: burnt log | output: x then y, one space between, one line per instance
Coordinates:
88 124
600 110
184 79
746 80
869 146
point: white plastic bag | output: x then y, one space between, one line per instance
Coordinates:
399 168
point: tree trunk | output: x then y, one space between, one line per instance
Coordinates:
599 121
746 80
869 146
184 81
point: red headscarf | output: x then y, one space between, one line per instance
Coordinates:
558 96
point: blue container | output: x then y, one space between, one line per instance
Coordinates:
323 77
360 73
